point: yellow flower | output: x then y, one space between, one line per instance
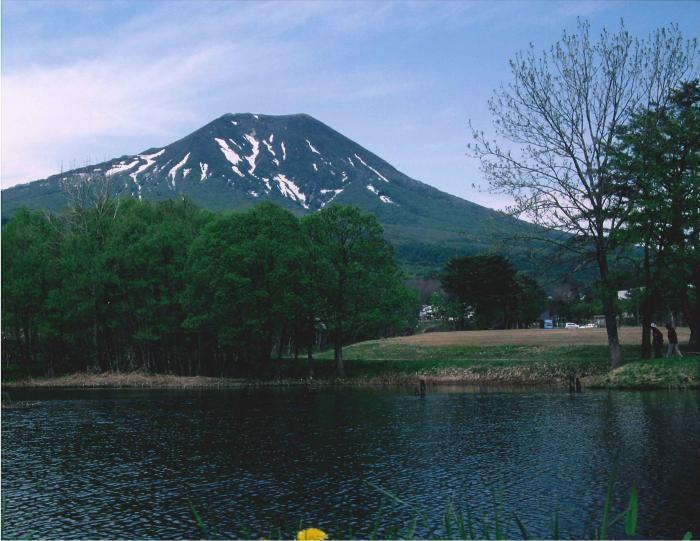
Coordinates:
311 534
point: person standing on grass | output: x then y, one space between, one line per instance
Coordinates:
672 341
658 341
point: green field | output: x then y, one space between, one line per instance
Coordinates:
457 358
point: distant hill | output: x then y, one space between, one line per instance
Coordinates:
300 163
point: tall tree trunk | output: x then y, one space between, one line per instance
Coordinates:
338 354
24 348
611 327
647 306
310 361
692 316
647 311
609 297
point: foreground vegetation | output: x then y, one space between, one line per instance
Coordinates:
455 523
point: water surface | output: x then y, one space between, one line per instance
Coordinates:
106 464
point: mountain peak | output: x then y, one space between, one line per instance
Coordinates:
293 160
239 159
260 116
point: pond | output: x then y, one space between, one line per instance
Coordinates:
106 464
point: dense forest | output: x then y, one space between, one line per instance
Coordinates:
168 287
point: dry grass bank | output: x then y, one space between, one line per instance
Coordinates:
127 380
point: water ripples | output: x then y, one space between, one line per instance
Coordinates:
129 464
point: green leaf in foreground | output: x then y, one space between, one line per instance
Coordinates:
410 531
555 525
204 532
606 511
688 535
377 520
632 513
521 527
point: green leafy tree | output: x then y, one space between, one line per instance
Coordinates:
657 163
243 269
29 274
170 288
356 278
147 256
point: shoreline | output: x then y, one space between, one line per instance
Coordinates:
640 375
517 358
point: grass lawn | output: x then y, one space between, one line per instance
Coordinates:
521 357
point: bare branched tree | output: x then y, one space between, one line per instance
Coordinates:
90 191
93 208
558 119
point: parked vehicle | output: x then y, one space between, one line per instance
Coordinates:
571 326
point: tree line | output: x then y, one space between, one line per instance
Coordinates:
121 284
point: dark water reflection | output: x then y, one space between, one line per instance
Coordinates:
97 464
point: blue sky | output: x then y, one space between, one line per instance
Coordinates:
87 81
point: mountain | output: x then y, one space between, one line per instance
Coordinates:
300 163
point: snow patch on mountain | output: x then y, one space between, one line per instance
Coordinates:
335 193
121 167
372 189
289 189
186 172
204 171
267 184
284 152
150 160
386 199
315 167
350 161
372 169
313 149
231 155
269 147
234 123
256 150
174 170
